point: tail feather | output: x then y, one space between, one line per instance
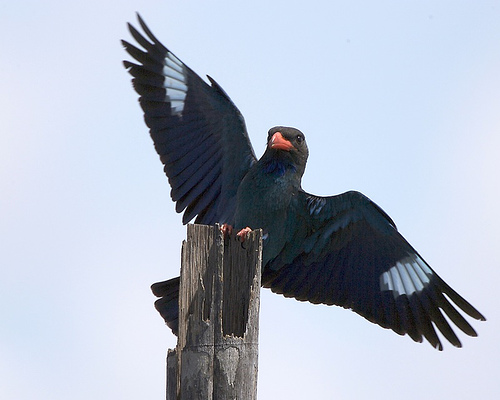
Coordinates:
168 304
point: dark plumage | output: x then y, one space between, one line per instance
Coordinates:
343 250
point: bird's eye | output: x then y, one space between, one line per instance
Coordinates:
299 139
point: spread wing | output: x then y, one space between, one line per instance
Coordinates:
197 131
352 255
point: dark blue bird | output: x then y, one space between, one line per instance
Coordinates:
343 250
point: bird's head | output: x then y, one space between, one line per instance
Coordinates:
288 144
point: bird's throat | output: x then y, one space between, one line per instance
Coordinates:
278 167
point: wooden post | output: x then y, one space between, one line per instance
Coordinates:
217 350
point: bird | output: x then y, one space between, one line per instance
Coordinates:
339 250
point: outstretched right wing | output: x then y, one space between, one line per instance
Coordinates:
198 132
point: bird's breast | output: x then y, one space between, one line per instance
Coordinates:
263 200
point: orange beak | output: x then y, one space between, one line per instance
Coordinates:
278 142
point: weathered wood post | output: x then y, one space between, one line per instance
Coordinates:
217 350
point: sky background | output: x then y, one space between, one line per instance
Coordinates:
399 100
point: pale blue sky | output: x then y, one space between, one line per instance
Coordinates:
399 100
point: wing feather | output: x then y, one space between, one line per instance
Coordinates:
349 253
197 131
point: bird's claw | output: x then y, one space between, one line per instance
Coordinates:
226 230
242 235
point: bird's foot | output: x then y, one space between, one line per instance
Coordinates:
242 235
226 230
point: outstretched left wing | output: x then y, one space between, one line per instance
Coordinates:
345 250
198 132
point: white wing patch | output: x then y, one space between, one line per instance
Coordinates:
315 205
409 275
175 83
